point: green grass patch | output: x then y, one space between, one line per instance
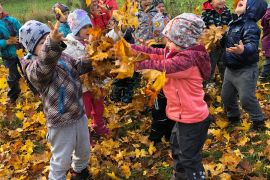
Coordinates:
41 10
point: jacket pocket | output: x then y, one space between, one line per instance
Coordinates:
61 105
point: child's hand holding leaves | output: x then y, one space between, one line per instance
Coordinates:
237 49
55 35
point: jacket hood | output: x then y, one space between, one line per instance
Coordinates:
207 6
255 9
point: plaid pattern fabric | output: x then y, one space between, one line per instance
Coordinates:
56 77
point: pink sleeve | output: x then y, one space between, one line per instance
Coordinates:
148 50
170 65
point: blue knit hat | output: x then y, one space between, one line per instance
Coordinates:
31 32
77 20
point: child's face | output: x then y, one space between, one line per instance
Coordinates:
171 46
63 19
40 45
161 8
218 4
84 32
241 7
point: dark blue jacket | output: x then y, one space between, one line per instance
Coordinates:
245 28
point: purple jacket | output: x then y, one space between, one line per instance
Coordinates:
266 33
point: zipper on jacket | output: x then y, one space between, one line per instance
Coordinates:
180 104
61 105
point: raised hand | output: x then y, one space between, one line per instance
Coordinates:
55 34
12 40
237 49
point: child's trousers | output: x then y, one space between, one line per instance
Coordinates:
241 82
266 68
13 77
161 124
94 108
70 147
216 60
186 143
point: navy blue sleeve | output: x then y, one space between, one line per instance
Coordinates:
250 39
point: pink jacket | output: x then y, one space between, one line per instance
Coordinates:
185 71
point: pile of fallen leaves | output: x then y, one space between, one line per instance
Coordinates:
229 152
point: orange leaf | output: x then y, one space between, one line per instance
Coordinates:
88 2
20 53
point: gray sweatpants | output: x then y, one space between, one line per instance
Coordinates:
70 147
242 83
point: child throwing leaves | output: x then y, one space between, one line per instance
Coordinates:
101 12
241 59
80 24
62 17
215 12
56 77
9 31
186 65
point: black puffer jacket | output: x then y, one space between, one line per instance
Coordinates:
245 28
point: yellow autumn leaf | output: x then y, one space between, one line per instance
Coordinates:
23 85
113 176
216 133
58 11
211 36
14 133
3 83
137 153
197 10
150 74
227 136
230 160
245 125
165 164
125 70
212 110
218 99
20 53
126 15
20 115
267 124
221 123
151 148
214 168
225 176
88 2
125 171
242 141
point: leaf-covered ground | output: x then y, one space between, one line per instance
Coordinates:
229 152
